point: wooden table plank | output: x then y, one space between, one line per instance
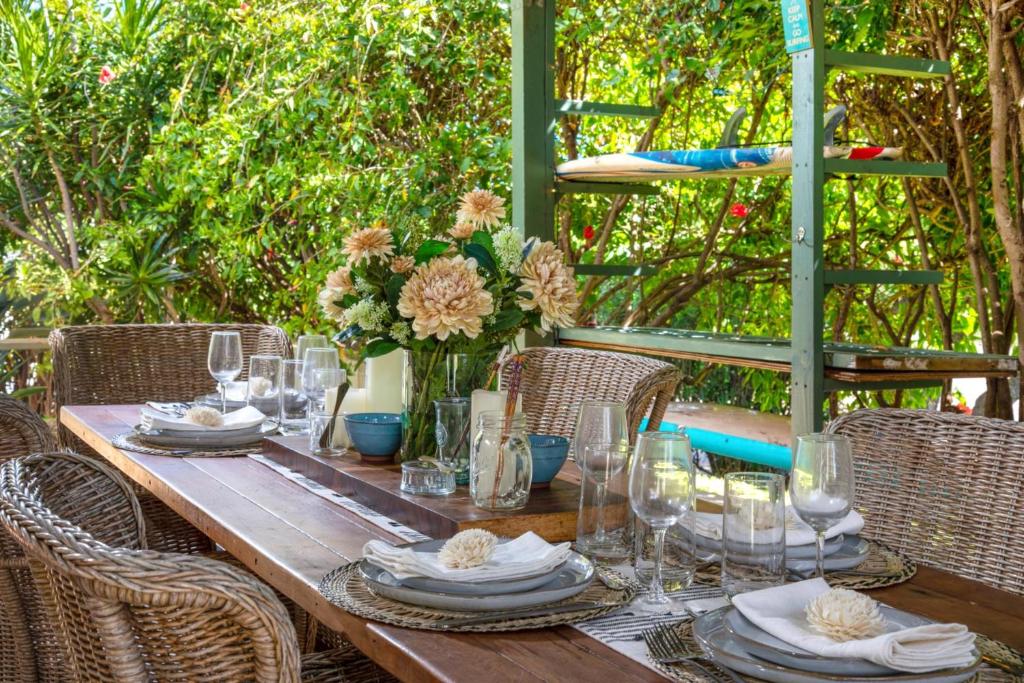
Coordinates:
291 538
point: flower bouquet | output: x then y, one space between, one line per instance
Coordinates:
452 304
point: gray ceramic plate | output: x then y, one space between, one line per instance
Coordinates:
572 579
469 588
206 439
766 646
213 400
721 646
792 551
853 551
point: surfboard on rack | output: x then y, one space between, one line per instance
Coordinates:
703 163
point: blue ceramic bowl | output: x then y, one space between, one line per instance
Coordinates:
549 454
375 435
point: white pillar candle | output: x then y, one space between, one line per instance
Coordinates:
354 402
384 383
484 401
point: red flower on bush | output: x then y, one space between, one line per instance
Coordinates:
588 232
107 75
243 6
739 210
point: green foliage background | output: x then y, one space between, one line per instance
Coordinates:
214 177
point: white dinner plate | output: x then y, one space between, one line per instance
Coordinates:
792 551
572 579
849 556
206 439
722 646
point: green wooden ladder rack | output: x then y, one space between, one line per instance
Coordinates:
535 190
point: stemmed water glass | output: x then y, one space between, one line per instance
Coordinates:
821 484
660 492
224 361
601 462
601 422
316 359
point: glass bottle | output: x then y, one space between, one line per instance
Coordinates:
500 463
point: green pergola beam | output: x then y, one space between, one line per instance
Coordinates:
884 65
584 108
833 385
883 277
567 187
727 346
910 169
613 270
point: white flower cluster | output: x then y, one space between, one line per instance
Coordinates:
401 332
369 315
508 245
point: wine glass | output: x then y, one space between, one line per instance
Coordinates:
310 341
601 462
660 492
821 484
224 361
317 359
599 422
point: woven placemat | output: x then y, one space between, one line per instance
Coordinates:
129 441
345 588
994 653
883 567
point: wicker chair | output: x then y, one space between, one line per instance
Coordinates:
128 614
943 488
555 380
111 364
28 644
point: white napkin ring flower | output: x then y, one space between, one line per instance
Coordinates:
843 614
204 415
467 549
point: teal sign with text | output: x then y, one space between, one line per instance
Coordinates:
797 25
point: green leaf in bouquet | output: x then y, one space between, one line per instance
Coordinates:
525 294
393 289
484 239
507 319
430 249
482 256
349 300
379 347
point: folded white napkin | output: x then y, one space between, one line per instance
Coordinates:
528 555
780 612
709 525
242 418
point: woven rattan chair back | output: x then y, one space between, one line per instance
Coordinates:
943 488
139 615
28 646
555 381
110 364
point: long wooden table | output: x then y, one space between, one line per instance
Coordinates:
291 538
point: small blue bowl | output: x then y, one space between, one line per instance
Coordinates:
377 436
549 454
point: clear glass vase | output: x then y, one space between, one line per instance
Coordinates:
430 376
500 464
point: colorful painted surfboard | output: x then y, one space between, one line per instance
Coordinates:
703 163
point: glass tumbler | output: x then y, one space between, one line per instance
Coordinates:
322 428
602 525
753 532
452 432
294 415
263 390
500 462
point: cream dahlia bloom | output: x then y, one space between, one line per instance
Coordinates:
481 207
341 281
843 614
402 264
369 243
446 296
462 230
551 284
328 299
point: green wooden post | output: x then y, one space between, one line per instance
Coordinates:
807 388
533 117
